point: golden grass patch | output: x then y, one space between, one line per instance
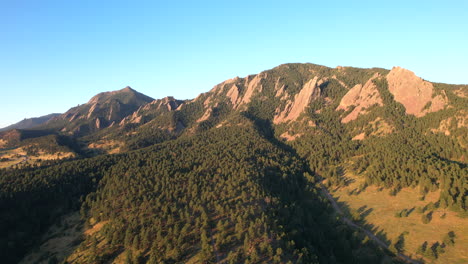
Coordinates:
378 209
18 156
108 146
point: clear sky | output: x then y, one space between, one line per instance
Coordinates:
57 54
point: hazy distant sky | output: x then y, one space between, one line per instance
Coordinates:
57 54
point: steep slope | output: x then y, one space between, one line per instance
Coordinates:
30 122
294 108
360 97
152 123
152 110
418 96
224 195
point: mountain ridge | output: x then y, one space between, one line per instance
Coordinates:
238 174
30 122
241 96
284 93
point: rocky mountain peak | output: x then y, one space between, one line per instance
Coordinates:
127 89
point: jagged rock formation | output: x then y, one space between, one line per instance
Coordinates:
418 96
360 97
253 85
149 111
296 107
239 91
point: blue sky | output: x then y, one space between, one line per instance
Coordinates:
57 54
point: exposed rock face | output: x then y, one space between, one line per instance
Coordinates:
294 108
152 109
98 123
288 137
252 85
461 93
414 93
233 95
239 91
206 115
361 97
459 120
360 136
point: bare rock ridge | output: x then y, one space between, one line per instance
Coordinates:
361 97
417 95
414 93
152 109
239 91
252 85
233 95
301 101
206 115
281 94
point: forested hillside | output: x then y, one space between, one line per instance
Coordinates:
245 173
224 195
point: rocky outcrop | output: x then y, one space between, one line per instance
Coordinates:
360 97
239 91
293 109
92 110
359 136
459 120
414 93
233 95
288 137
252 85
98 123
206 115
152 109
463 93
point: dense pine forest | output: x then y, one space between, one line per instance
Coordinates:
227 194
240 174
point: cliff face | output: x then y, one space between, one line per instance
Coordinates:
414 93
151 110
360 97
294 108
